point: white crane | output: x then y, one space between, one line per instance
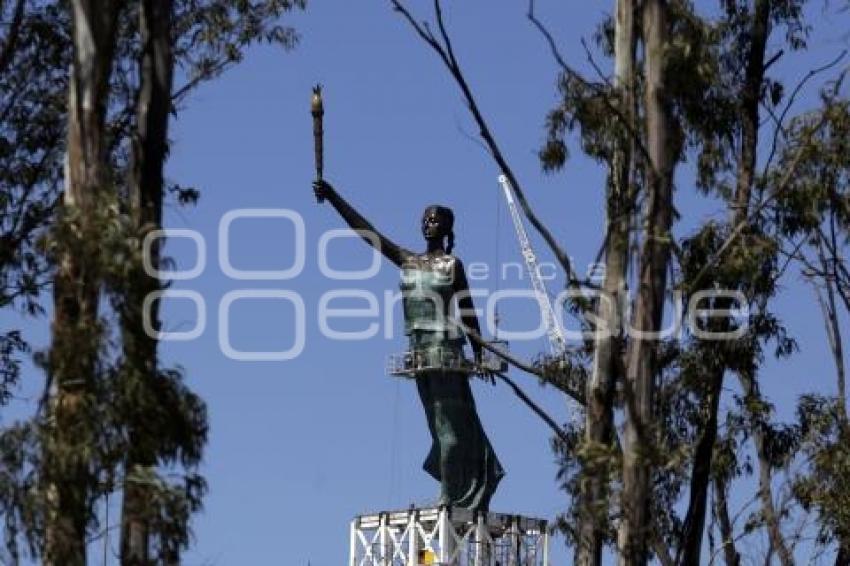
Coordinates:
554 331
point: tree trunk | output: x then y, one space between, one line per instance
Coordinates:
843 556
833 332
641 366
149 149
752 396
694 525
750 102
721 511
75 335
607 364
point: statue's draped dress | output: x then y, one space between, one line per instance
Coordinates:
461 456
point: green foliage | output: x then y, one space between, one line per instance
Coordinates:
19 494
800 186
814 209
822 185
35 50
12 346
33 90
584 107
826 444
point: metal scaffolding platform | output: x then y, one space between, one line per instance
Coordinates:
412 363
447 537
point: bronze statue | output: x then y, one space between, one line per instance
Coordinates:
461 457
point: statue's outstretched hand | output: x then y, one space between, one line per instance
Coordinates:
322 189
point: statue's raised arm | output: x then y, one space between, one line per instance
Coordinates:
390 250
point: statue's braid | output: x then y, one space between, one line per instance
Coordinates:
451 243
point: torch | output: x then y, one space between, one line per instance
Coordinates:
318 111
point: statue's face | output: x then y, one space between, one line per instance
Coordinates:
434 224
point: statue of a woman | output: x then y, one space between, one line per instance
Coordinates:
461 457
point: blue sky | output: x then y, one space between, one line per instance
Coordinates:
299 447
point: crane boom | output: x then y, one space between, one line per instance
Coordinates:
554 332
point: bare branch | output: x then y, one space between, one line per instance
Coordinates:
789 257
837 266
780 121
546 377
575 75
833 327
769 63
593 63
559 432
446 53
181 92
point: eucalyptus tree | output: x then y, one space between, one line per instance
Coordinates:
693 93
812 219
113 417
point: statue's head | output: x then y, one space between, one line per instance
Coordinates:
438 223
